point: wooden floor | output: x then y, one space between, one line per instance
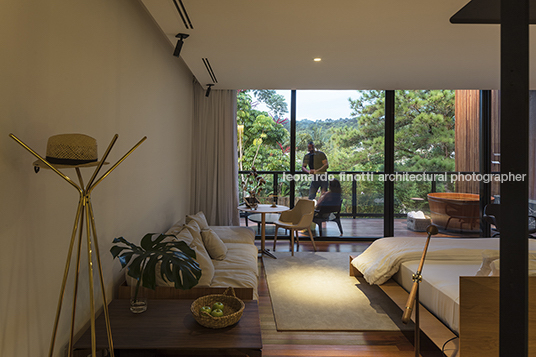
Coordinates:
333 344
362 228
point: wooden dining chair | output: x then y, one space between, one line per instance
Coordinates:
296 219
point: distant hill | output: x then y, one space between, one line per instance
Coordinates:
307 125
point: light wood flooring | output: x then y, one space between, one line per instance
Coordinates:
333 344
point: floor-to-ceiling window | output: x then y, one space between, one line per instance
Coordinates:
264 142
346 126
350 127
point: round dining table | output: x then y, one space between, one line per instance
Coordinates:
263 209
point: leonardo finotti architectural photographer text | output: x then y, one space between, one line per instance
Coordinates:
444 177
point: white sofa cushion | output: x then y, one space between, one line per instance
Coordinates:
234 234
200 218
195 242
239 268
213 244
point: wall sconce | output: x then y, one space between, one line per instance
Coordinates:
208 89
180 42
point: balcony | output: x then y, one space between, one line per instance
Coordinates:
362 214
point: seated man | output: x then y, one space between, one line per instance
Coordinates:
329 203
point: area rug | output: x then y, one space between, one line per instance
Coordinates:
313 291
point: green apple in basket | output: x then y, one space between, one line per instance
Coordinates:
206 309
217 313
217 305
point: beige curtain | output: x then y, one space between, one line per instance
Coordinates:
214 188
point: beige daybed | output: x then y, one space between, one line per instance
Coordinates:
227 256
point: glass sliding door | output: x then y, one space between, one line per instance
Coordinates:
432 144
263 143
348 127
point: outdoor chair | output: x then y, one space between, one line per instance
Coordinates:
492 215
296 219
328 214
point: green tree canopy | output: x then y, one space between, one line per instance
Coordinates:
424 129
275 102
263 141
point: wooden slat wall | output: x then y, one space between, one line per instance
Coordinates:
495 137
467 112
467 136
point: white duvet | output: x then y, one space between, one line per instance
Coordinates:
383 257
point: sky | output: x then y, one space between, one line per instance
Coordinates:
319 104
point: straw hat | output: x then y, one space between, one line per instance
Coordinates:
70 151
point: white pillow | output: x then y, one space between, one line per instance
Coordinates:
195 242
213 244
194 228
200 218
488 256
177 227
491 263
495 267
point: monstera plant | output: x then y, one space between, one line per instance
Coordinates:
177 261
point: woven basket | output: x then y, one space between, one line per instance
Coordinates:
232 311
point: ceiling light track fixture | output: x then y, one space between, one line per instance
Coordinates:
183 14
209 87
180 42
209 70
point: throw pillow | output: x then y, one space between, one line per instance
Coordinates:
195 242
213 244
200 218
177 228
488 256
491 263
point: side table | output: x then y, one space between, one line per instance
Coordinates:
257 218
168 328
263 209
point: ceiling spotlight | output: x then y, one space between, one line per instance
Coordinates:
208 89
180 42
317 59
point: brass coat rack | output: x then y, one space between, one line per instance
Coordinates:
84 211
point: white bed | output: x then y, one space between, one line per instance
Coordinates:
439 289
447 260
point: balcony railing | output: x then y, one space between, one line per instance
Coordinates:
353 206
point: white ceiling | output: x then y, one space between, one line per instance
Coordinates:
364 44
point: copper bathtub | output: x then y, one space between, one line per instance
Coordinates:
455 211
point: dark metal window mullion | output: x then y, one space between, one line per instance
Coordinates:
485 157
292 146
389 165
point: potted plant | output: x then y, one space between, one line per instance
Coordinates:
252 185
177 264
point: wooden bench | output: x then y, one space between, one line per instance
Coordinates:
164 292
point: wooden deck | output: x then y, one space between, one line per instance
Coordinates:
368 228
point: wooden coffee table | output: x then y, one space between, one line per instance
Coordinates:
168 328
